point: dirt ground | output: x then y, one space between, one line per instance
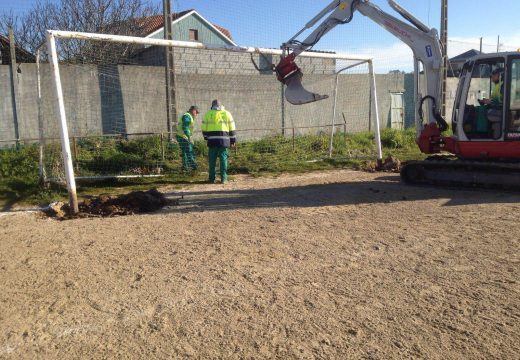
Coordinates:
330 265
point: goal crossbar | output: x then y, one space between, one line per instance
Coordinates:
195 45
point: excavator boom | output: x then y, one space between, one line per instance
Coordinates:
422 40
486 140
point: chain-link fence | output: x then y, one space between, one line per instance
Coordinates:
115 105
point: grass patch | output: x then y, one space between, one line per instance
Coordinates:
149 155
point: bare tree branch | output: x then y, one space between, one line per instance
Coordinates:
119 17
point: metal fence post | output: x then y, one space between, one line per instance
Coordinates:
41 139
14 85
344 126
162 146
293 149
75 149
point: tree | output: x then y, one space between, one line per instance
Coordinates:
121 17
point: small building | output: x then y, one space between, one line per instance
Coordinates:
22 56
455 63
187 25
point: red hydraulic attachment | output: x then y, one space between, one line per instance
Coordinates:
290 75
431 141
286 68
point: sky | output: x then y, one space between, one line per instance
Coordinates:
268 23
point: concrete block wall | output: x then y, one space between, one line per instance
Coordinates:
130 99
201 61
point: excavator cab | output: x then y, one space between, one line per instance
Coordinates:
483 108
487 106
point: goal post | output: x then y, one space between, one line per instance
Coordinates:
373 102
64 132
114 89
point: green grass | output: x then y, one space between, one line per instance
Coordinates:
108 156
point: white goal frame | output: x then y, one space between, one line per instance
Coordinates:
52 35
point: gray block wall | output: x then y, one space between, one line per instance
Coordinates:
201 61
130 99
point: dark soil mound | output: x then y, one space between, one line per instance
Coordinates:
104 205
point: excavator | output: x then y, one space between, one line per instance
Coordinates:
484 147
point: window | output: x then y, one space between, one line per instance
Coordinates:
194 35
513 119
483 115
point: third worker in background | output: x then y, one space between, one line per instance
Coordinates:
218 128
185 139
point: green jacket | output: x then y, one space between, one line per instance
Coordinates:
185 126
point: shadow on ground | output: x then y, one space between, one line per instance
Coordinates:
385 189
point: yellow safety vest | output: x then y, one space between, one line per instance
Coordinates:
496 94
218 127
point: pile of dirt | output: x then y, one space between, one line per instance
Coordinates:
390 164
106 206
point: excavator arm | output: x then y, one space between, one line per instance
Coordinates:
421 39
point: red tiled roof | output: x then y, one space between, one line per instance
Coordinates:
4 40
150 24
224 31
21 54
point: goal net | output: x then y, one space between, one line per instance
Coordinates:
110 92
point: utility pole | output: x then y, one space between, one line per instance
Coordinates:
444 41
481 45
14 85
171 106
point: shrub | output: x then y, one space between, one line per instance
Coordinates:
21 162
397 139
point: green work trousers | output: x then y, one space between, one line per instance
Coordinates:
222 154
187 154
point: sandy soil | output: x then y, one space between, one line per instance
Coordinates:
333 265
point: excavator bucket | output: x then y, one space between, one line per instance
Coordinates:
290 74
296 94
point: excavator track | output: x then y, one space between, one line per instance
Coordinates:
452 172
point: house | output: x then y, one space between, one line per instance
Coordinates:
187 25
22 56
455 63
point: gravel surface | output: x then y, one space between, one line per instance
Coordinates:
326 265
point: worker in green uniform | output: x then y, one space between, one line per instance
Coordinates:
218 128
489 113
184 138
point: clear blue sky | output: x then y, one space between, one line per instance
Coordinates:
267 23
254 22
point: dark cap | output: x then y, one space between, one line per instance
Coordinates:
216 103
194 107
497 71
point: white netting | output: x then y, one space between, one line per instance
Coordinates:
115 103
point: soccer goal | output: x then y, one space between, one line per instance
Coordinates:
114 109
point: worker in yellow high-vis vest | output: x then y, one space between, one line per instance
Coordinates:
497 92
218 128
184 138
